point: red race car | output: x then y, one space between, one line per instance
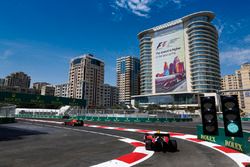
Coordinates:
160 142
74 122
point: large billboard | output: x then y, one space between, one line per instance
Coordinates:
168 61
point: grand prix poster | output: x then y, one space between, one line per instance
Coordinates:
168 61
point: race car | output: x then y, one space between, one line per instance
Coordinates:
160 142
73 122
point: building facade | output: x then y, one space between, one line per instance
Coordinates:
180 56
48 90
38 86
2 80
18 79
229 82
62 90
243 81
128 78
240 80
86 79
110 96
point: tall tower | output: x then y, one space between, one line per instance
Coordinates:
128 71
86 79
180 56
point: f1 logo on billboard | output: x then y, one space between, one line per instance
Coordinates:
209 115
162 45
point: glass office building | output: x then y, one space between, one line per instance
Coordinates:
178 59
181 55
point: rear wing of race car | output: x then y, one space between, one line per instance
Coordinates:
158 134
162 134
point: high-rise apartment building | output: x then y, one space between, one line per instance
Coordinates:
48 90
243 81
110 96
128 78
229 82
180 56
38 86
17 79
86 79
62 90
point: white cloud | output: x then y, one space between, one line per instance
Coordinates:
236 56
178 3
219 26
6 54
142 8
247 39
138 7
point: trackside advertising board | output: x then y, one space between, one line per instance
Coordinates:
237 143
168 61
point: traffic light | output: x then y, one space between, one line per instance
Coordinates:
231 116
208 114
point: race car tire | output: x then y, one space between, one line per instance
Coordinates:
148 145
173 145
82 123
165 147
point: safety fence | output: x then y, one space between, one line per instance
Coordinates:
109 119
38 116
132 113
236 143
131 119
7 114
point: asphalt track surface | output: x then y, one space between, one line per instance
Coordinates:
26 144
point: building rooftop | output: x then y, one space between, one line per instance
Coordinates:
77 60
177 21
124 57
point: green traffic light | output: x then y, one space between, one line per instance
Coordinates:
232 127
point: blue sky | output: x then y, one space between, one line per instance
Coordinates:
40 37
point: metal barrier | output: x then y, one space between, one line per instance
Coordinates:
131 113
7 114
7 111
108 119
